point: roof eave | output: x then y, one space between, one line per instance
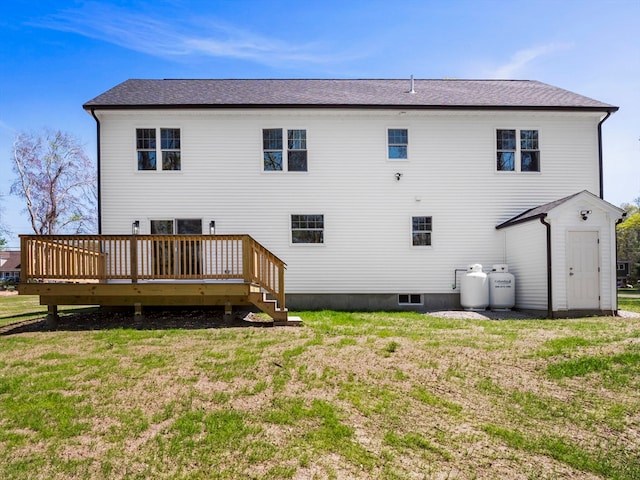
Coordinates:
92 107
510 223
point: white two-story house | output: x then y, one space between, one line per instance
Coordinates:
372 191
375 193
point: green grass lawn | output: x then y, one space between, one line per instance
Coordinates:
347 395
18 308
629 304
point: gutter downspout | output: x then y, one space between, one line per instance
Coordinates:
600 154
549 276
98 167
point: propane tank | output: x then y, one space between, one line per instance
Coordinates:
474 288
502 288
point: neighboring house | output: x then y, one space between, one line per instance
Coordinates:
623 272
9 266
374 192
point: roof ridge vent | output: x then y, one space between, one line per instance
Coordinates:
412 86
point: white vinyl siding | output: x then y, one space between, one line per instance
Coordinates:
352 184
526 256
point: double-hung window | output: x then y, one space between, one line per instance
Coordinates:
421 228
517 150
397 143
170 147
146 147
307 229
276 157
148 152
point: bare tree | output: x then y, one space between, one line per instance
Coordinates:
57 180
3 228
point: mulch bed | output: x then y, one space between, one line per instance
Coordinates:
152 319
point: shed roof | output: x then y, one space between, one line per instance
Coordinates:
542 211
358 93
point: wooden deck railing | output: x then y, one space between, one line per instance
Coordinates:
134 258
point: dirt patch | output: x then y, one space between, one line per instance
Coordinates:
152 319
505 314
487 314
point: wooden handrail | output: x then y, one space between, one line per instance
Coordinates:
137 258
265 269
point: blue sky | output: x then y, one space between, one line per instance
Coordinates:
56 55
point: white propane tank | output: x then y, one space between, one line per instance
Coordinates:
502 288
474 288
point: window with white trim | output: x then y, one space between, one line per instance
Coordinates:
307 229
517 150
397 143
148 152
274 157
421 228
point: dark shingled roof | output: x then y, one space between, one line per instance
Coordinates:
10 261
539 211
461 94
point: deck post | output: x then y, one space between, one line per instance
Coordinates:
52 316
247 263
134 258
24 245
281 294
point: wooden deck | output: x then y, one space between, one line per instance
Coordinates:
153 270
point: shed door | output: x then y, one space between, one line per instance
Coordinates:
583 283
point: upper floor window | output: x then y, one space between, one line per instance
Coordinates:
274 152
421 228
517 151
307 228
170 146
146 146
397 143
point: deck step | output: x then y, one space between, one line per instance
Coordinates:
291 321
270 307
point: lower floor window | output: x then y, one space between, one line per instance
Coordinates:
181 226
409 299
307 228
421 231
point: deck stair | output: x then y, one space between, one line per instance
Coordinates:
270 307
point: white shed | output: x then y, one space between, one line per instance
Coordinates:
563 255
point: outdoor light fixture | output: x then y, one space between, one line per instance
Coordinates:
212 227
398 176
585 214
135 227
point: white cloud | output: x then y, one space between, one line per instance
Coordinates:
522 59
178 38
4 126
